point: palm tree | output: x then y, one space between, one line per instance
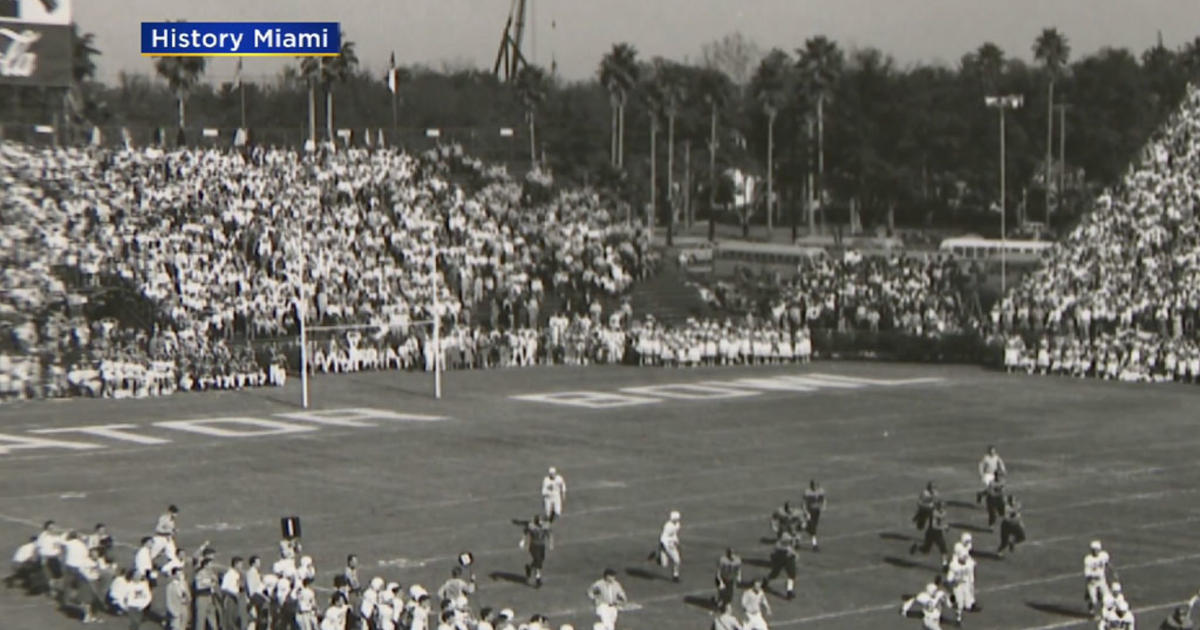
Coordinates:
341 68
714 87
769 87
181 74
311 70
619 75
531 89
669 91
1051 48
654 104
325 71
83 49
988 63
1189 57
820 64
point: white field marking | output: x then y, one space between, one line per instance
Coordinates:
346 417
117 432
355 417
20 521
403 563
1077 622
875 381
212 427
776 384
220 527
808 381
602 484
588 399
73 495
995 589
712 390
10 443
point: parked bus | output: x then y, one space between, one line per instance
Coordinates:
730 255
974 248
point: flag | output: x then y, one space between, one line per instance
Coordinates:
237 80
391 77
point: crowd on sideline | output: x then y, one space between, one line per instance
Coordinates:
577 340
1119 297
158 581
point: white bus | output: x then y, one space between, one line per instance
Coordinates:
729 255
975 248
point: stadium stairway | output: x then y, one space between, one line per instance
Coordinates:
668 295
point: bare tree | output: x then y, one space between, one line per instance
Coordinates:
733 54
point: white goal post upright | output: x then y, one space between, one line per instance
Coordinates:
437 321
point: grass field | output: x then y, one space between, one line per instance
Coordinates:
1089 460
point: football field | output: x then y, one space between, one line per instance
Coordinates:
380 469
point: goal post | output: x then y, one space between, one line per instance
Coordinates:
382 330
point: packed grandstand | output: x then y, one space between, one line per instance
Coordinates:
139 272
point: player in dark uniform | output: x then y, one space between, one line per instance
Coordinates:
1012 529
783 560
925 502
814 504
786 519
538 540
935 533
729 574
995 498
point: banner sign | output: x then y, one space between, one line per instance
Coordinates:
241 39
36 11
35 42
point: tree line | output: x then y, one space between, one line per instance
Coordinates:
834 136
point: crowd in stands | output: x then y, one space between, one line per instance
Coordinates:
227 246
1119 297
913 294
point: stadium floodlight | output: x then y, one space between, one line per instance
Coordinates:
1003 103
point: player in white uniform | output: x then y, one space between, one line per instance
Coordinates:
667 552
989 465
1120 618
931 601
1095 575
1114 599
754 602
960 576
554 492
608 596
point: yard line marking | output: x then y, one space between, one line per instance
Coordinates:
996 589
1076 622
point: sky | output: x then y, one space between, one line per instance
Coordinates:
575 34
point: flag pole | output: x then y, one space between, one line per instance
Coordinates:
241 91
393 82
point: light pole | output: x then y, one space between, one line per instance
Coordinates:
1062 157
1003 103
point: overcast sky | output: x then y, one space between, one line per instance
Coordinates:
576 33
